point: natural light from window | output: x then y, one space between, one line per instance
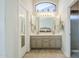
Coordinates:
45 7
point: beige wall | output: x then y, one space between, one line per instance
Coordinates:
27 4
52 1
64 11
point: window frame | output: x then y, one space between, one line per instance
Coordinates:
45 2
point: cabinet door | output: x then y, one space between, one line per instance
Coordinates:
39 43
45 43
52 43
33 43
58 42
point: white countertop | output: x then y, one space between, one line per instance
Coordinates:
46 34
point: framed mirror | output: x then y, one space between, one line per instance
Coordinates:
46 24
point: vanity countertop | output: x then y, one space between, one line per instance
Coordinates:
47 34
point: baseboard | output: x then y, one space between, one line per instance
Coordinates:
75 50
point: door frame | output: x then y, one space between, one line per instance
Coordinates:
69 8
23 11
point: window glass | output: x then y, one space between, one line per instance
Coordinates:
45 7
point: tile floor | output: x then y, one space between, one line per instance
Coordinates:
44 53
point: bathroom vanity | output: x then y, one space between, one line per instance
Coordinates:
46 41
45 31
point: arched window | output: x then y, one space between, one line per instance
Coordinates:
45 7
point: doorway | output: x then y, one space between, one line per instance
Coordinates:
74 22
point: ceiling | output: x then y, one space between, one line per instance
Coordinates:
75 6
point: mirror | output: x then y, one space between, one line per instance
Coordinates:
22 24
46 24
43 24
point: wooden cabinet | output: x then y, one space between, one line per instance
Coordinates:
39 43
46 41
33 43
52 43
58 42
